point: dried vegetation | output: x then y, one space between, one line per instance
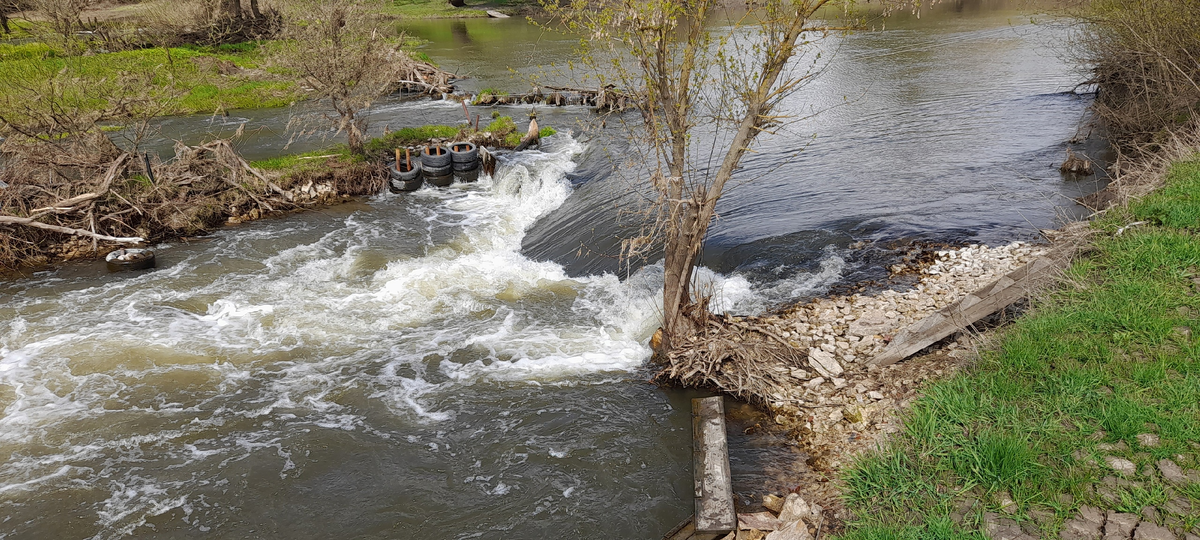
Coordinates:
78 203
1145 58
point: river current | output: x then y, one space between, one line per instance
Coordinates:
470 362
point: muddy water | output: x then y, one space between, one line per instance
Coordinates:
466 363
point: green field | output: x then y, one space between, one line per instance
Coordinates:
181 80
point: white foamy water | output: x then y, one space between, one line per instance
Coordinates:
138 400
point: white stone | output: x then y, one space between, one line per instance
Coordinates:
875 395
1123 466
824 363
795 508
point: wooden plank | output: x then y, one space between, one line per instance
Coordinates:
496 14
710 467
970 309
687 531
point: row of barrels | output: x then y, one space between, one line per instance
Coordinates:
436 165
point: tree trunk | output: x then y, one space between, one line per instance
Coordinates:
4 20
231 9
355 138
254 11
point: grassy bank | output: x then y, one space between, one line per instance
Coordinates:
1103 375
182 80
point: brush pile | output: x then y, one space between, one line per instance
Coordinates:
84 197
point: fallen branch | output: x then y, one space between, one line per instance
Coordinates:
68 205
30 222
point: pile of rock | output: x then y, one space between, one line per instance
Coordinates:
838 331
840 334
834 403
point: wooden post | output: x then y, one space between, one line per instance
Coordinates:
407 159
710 467
398 158
975 306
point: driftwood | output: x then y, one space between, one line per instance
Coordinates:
68 205
960 315
712 481
424 77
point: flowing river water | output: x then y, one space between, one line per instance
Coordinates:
471 362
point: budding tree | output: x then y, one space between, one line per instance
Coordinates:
339 50
732 83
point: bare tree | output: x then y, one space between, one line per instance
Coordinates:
337 49
65 18
732 84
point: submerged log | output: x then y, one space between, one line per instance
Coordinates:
960 315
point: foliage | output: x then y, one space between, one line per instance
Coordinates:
63 17
337 49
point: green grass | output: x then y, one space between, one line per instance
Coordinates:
1115 355
305 161
186 79
21 29
26 52
1177 204
503 125
411 136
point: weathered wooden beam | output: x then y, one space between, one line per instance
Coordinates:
710 466
687 531
958 316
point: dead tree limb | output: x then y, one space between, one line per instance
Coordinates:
30 222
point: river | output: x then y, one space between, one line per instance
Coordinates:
471 362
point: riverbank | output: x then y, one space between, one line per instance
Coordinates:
1083 417
1078 420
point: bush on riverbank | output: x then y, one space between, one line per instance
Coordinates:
1092 400
1145 59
